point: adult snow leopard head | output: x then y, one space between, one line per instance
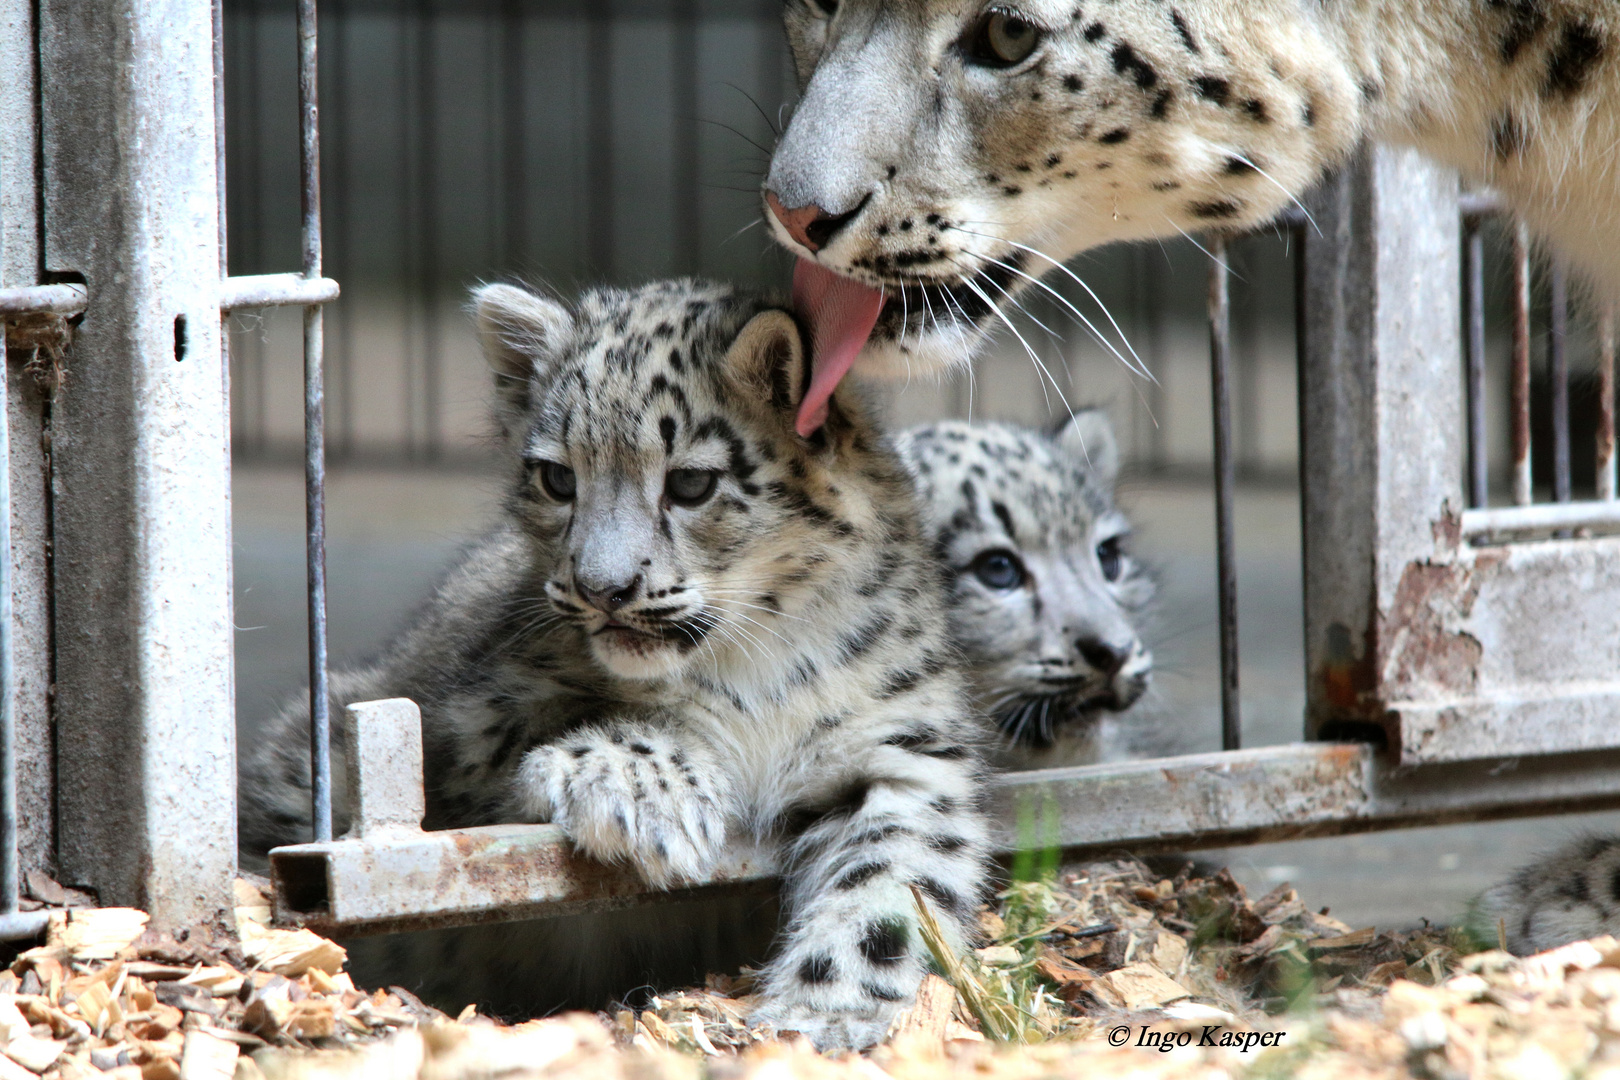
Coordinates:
660 478
1043 596
949 153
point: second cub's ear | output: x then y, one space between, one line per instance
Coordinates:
1088 439
521 332
769 357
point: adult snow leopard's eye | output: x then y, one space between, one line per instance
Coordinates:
689 487
1110 558
1003 38
999 569
558 480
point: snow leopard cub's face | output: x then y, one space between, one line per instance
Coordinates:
661 483
1043 596
949 152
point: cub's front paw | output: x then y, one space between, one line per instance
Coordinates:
828 1029
633 796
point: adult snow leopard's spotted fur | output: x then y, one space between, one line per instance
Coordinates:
1569 895
948 153
1044 600
694 625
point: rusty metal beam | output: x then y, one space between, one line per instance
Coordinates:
393 876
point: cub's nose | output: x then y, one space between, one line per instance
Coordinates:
1102 656
810 225
610 597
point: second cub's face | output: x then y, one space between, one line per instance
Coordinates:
675 513
1044 598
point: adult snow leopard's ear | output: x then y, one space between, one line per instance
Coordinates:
769 357
1088 439
521 332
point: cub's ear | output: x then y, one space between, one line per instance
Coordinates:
768 358
1088 439
521 333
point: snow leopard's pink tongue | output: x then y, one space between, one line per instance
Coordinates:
841 314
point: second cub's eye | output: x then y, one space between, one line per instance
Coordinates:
689 487
1002 39
1110 558
558 480
999 569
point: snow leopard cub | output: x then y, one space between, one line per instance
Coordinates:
695 625
1044 600
1569 895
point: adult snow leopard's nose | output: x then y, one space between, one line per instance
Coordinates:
810 225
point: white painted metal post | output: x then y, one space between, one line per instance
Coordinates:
146 742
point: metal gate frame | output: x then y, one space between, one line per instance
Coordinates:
1402 579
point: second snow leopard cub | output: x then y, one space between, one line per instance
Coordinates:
1044 600
695 625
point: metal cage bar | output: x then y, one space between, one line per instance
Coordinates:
1519 388
1558 375
1220 370
1474 307
1605 427
320 724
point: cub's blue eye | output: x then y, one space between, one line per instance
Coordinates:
1110 558
689 487
999 569
558 480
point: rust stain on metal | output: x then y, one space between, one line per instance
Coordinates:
1412 650
1447 529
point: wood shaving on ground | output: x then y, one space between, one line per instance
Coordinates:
1104 972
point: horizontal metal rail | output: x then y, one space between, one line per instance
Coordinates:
23 925
44 300
275 290
393 876
1540 517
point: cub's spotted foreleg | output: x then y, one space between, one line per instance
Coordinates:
634 793
853 954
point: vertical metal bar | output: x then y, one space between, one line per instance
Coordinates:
320 725
1606 479
1520 389
1474 306
337 15
599 193
427 164
515 234
1220 358
1558 363
10 862
684 171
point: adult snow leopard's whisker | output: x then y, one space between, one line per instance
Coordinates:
1089 325
1038 362
1011 299
1273 182
1223 264
1140 365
